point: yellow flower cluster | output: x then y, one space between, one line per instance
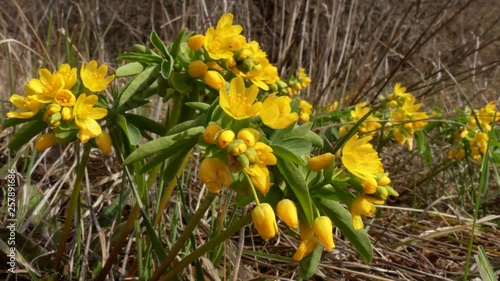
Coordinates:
362 161
405 117
52 93
229 50
298 83
369 127
244 153
475 134
306 110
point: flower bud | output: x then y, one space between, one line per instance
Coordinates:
383 180
249 136
66 114
103 141
45 141
318 163
237 147
323 229
246 65
210 132
214 79
264 221
197 69
381 193
225 138
55 119
214 174
243 160
252 156
288 212
195 42
393 104
308 243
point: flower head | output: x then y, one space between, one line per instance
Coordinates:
361 160
45 88
94 78
239 103
86 115
28 107
305 110
264 221
277 113
220 42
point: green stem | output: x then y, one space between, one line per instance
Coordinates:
188 231
70 211
252 188
226 234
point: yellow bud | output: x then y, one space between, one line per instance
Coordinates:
368 187
195 42
230 62
66 114
197 69
264 221
252 156
472 122
45 141
210 132
342 132
384 180
225 138
249 136
308 242
214 174
393 104
460 154
323 229
55 119
214 79
103 141
318 163
381 193
53 108
288 212
237 147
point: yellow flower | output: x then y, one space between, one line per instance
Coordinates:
318 163
65 97
288 212
213 79
363 206
93 77
264 221
265 154
305 110
304 79
68 75
197 69
371 124
86 115
486 115
103 141
220 42
239 103
308 243
259 174
45 88
210 132
323 229
28 106
45 141
359 157
276 112
214 174
195 42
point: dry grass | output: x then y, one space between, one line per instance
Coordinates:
353 50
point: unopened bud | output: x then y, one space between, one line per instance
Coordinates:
45 141
225 138
195 42
197 69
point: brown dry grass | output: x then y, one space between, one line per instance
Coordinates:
353 50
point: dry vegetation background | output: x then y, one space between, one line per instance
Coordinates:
443 51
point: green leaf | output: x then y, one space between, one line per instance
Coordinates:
158 43
295 180
304 131
145 124
26 133
292 149
309 264
133 134
176 46
201 106
343 220
139 57
129 69
139 84
166 66
334 192
485 269
171 142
